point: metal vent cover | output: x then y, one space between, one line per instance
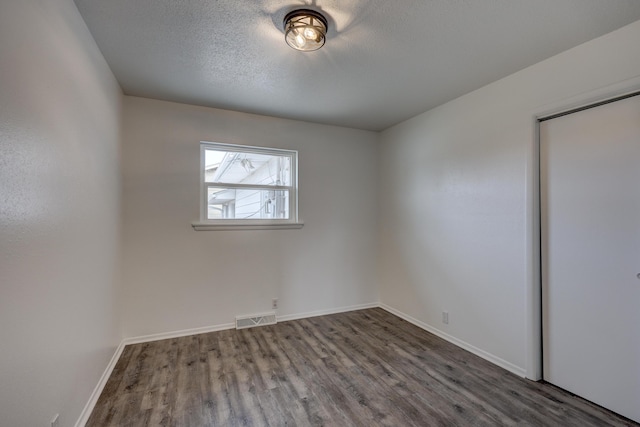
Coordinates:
243 322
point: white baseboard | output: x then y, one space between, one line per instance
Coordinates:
224 326
178 334
93 399
521 372
325 312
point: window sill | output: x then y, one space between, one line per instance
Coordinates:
203 226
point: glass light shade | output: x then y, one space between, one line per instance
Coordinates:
305 30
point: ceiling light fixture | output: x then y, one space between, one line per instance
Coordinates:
305 30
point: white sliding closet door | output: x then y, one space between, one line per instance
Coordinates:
590 217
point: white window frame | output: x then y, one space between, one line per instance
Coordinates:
205 224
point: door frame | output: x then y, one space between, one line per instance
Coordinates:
533 298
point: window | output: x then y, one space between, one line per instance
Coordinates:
247 187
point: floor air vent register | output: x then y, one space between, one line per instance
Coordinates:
243 322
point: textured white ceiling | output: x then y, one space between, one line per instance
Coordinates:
384 61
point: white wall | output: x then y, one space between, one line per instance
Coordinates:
59 212
176 278
456 221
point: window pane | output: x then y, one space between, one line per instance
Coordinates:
235 167
230 203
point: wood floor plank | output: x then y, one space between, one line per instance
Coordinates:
361 368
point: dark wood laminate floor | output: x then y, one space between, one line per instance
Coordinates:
362 368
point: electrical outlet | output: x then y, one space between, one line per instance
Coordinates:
274 303
445 317
55 420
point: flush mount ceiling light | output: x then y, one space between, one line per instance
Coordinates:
305 29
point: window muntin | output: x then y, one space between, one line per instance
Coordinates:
248 185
